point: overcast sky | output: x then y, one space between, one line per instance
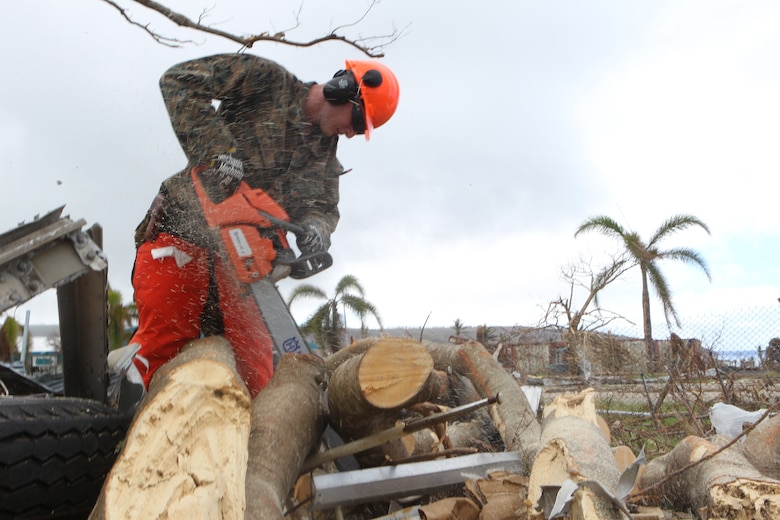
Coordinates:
517 121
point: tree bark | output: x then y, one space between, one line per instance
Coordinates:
288 418
724 485
357 348
761 447
515 420
185 454
574 447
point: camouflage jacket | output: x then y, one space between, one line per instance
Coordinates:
254 106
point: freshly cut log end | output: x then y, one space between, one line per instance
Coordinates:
724 485
574 447
582 405
745 498
186 452
392 372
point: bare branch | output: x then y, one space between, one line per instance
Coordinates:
589 316
163 40
365 45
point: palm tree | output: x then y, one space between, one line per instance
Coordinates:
120 320
459 327
328 322
647 255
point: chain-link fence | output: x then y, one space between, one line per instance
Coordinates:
742 339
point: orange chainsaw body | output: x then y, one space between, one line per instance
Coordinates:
239 219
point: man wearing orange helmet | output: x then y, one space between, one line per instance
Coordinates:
242 119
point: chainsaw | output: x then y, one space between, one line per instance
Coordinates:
253 231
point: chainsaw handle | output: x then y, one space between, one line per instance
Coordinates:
304 266
283 224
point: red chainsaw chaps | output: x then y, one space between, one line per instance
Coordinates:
238 220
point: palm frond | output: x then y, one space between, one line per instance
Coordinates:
349 282
664 293
674 224
603 224
306 291
361 307
688 256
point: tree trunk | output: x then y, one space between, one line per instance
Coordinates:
185 454
288 418
762 447
573 446
390 375
723 486
647 324
515 420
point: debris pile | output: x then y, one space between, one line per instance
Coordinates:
394 428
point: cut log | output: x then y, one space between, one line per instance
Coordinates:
288 418
356 348
367 390
761 447
185 454
514 418
391 374
720 485
573 447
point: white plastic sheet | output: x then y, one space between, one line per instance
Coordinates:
729 420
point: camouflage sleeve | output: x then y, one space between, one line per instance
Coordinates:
190 89
313 192
327 209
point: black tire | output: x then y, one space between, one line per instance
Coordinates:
55 453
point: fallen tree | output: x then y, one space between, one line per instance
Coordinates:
288 418
762 447
715 480
574 447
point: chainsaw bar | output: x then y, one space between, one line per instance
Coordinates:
286 335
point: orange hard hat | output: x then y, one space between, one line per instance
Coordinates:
378 90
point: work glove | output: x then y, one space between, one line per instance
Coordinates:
222 176
316 238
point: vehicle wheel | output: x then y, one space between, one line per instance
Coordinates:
55 453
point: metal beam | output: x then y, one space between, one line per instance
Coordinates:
415 478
